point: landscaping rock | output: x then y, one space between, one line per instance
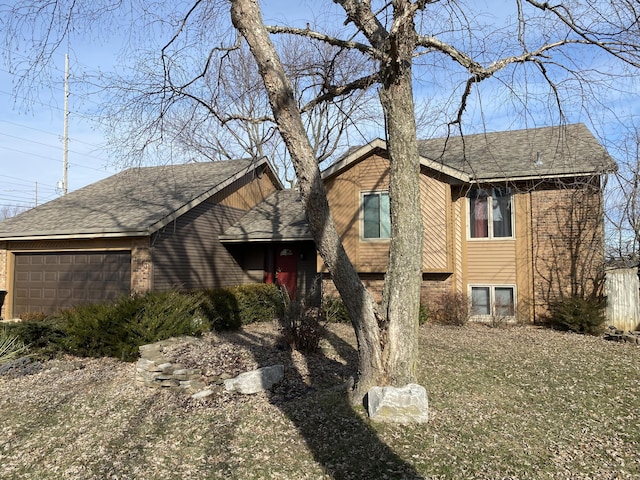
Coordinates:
616 335
155 370
406 404
255 381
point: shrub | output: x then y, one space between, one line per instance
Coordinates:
11 347
423 315
230 308
43 335
448 309
579 314
300 325
334 310
221 310
118 329
261 302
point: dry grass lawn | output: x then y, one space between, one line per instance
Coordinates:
509 403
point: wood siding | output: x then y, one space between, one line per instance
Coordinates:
435 199
187 253
371 256
623 301
491 262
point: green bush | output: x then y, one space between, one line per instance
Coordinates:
260 302
232 307
43 335
448 309
220 308
579 314
423 315
334 310
118 329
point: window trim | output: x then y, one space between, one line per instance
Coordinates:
363 194
492 300
490 234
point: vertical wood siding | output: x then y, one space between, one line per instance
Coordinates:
623 299
435 203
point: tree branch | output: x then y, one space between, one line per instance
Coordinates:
306 32
337 91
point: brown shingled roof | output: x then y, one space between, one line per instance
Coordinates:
279 217
568 150
137 201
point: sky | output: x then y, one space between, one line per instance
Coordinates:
31 133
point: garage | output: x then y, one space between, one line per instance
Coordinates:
46 282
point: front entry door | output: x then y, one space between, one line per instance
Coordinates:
286 270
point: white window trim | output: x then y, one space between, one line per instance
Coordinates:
492 300
490 220
363 193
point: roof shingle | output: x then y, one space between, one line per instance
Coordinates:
135 201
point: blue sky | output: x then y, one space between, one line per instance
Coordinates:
31 153
31 132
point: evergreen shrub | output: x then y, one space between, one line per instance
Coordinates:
579 314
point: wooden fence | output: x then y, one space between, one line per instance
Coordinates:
622 289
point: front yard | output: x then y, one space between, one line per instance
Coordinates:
515 403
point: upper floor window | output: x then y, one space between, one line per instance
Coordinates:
490 213
376 219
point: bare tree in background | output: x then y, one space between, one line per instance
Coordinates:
539 57
623 200
8 211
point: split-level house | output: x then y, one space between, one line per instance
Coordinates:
512 220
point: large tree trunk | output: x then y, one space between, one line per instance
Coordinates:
401 298
387 343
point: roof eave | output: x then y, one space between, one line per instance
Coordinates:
68 235
354 156
263 239
537 176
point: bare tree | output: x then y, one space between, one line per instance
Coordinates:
8 211
541 56
623 199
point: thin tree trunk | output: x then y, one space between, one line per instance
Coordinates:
247 19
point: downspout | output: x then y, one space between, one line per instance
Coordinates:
533 266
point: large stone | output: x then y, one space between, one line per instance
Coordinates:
406 404
255 381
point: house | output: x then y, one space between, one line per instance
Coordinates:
513 220
150 228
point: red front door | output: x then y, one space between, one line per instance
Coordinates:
286 270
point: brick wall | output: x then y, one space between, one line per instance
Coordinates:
568 242
141 266
434 285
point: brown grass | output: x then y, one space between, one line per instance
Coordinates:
504 403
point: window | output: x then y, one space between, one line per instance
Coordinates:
493 300
490 213
375 214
